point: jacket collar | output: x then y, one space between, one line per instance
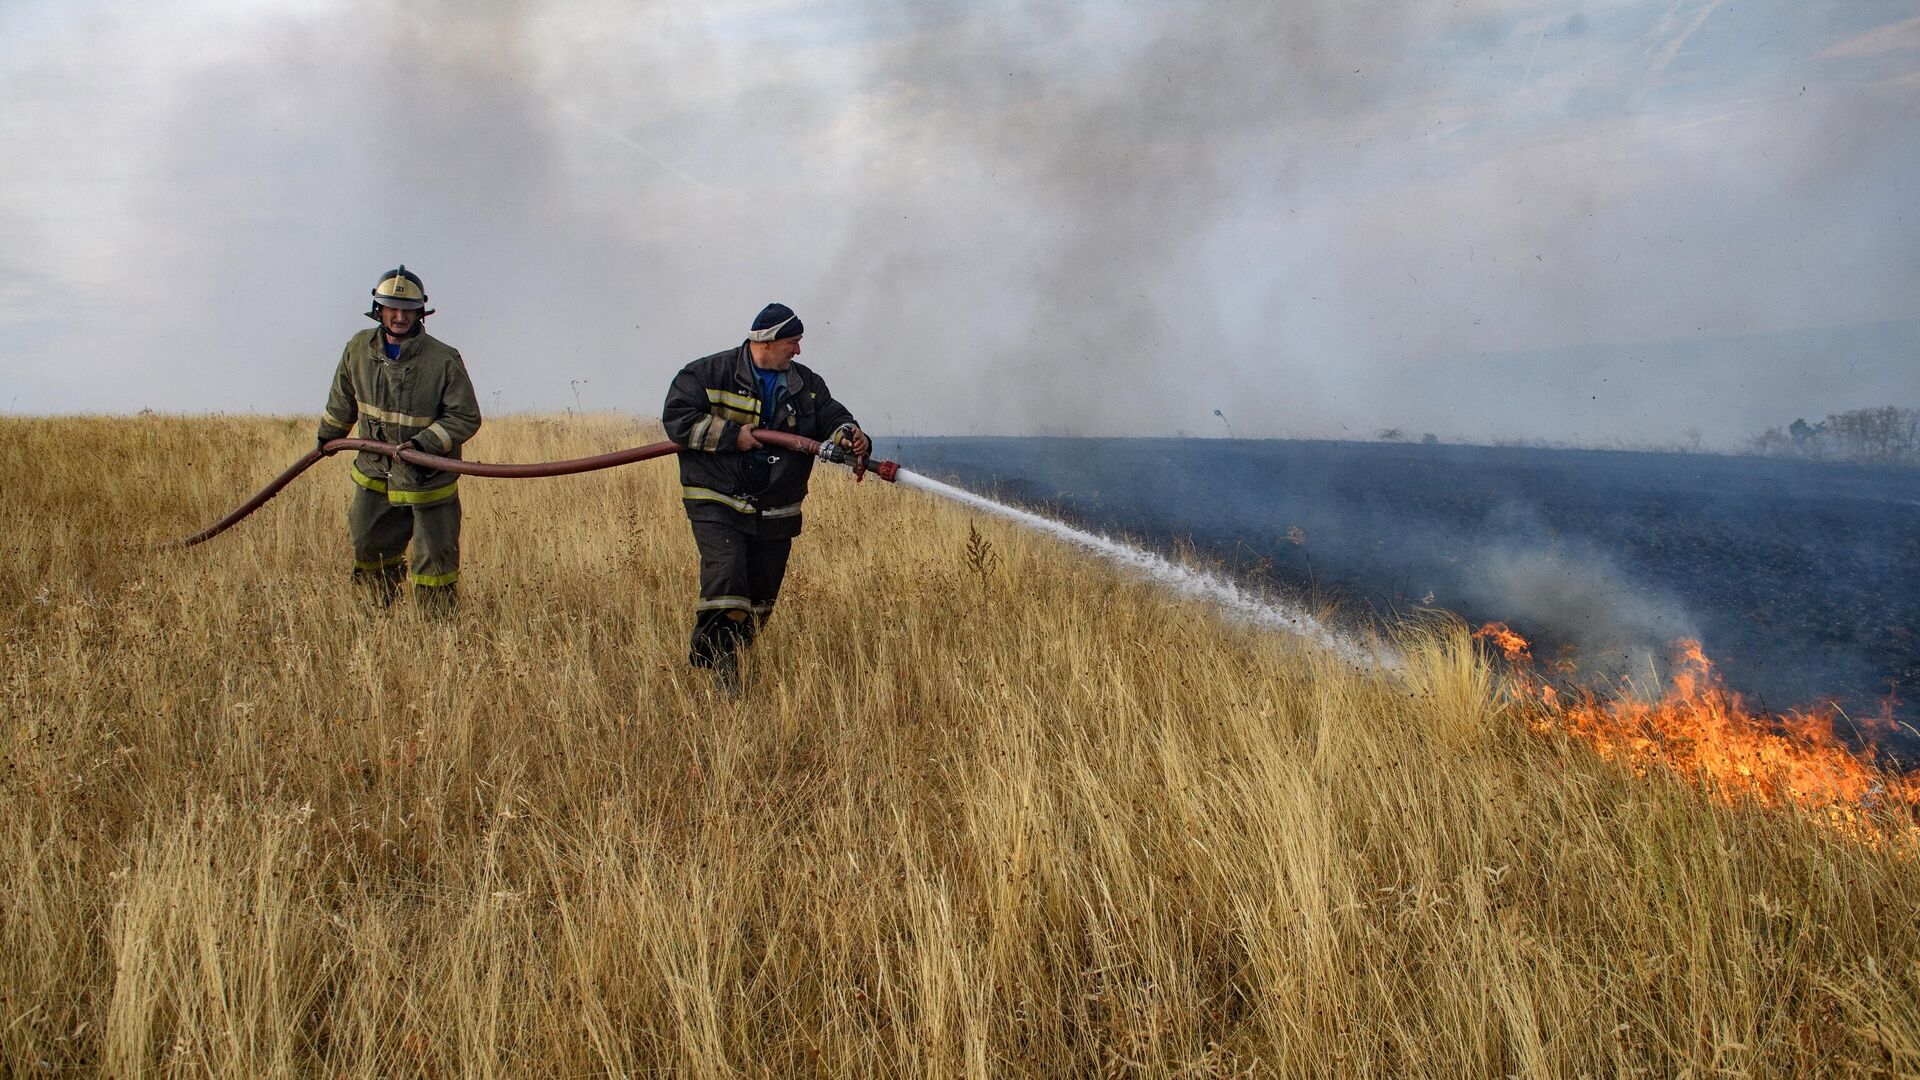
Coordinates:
409 348
743 367
743 373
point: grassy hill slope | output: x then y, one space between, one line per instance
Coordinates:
1019 817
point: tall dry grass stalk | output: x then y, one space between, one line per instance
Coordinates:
1036 820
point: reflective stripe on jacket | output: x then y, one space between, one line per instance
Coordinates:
709 402
423 395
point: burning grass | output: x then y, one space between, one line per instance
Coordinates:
974 816
1705 733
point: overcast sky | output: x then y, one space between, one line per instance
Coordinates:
1481 218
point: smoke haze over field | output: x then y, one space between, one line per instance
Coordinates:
1485 219
1799 578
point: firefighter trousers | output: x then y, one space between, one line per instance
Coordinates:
740 577
381 530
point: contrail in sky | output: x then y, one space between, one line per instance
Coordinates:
573 111
1528 76
1673 46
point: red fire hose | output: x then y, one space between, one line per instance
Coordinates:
885 470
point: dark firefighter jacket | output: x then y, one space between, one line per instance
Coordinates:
425 395
708 403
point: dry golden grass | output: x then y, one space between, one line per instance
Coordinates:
1051 823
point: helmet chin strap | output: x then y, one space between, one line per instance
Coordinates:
374 314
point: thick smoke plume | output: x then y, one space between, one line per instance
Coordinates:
1484 220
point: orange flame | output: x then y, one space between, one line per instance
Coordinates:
1703 731
1512 644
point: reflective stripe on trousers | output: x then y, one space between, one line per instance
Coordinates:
425 536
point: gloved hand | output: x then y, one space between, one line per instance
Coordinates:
857 441
320 443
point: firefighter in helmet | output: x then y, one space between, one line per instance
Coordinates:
403 386
743 498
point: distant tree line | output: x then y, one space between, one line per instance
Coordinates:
1394 434
1886 435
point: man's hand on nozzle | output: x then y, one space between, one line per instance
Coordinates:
857 441
745 440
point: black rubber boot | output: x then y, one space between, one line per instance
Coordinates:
727 677
381 586
437 602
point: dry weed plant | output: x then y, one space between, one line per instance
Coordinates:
1066 827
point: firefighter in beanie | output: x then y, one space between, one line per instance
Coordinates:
743 498
403 386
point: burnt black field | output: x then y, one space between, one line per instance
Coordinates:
1801 579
